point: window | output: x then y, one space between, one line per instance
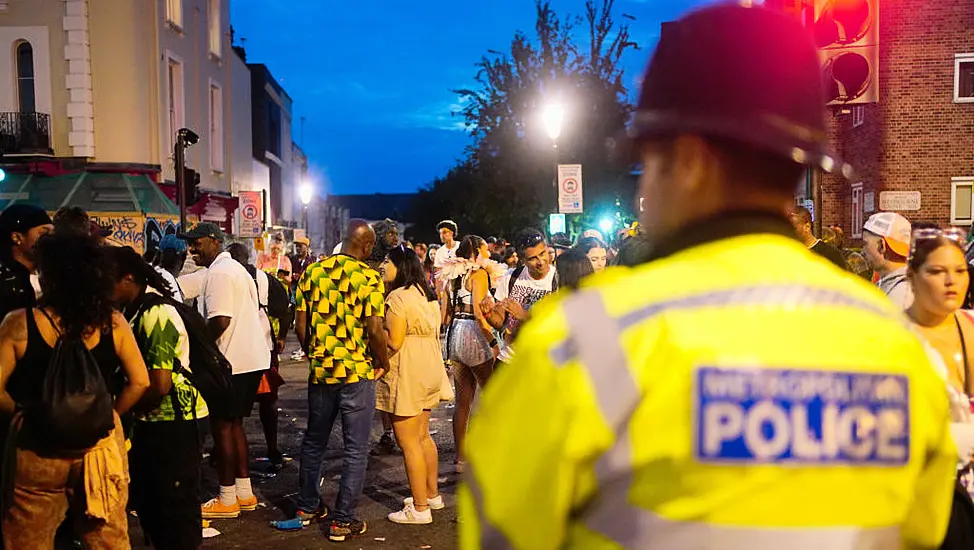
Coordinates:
25 78
857 210
174 12
216 127
213 17
858 115
177 109
964 78
961 200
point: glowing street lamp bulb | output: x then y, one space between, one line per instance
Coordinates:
606 225
554 116
306 192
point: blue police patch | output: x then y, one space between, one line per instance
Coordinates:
801 416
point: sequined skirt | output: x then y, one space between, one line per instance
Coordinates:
467 343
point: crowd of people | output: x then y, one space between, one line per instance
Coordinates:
731 381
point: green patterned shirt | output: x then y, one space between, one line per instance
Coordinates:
161 336
339 293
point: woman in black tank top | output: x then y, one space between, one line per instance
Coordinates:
76 286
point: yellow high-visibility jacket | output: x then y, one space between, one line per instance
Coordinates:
738 393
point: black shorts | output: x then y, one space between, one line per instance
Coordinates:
245 393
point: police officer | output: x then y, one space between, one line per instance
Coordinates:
682 404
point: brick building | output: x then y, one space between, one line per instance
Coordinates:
919 136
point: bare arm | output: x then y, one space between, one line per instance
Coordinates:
378 345
301 328
479 283
217 325
395 332
13 336
160 383
136 375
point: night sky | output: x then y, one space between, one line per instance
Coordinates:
373 77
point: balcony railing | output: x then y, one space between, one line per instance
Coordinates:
25 133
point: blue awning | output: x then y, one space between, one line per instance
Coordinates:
93 191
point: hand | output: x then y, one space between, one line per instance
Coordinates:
514 309
487 305
495 351
280 346
379 372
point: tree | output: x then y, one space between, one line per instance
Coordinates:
506 180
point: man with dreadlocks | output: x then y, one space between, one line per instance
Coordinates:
387 238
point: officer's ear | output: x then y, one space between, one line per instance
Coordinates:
692 163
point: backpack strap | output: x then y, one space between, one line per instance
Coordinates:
53 324
514 277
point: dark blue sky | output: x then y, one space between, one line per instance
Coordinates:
373 77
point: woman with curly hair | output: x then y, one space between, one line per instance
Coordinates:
76 280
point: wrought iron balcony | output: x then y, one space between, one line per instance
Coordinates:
25 134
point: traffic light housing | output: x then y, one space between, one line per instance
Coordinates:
847 34
191 183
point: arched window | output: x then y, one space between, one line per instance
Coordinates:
25 77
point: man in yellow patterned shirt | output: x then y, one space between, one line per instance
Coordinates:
340 304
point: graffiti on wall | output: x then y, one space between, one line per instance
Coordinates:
156 228
135 229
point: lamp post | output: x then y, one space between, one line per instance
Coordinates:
306 192
554 117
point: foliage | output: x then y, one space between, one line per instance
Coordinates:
506 180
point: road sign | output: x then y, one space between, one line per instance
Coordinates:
893 201
251 207
570 189
556 223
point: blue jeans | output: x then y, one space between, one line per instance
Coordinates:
356 403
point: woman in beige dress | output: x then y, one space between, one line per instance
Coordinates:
412 387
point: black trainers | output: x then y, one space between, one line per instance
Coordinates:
307 518
385 446
340 530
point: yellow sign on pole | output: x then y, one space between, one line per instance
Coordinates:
259 243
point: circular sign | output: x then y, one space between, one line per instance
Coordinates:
249 212
570 186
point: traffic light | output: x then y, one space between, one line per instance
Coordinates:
191 181
847 33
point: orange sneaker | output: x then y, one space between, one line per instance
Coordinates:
247 504
214 509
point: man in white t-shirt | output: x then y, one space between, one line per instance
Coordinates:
229 303
448 236
521 288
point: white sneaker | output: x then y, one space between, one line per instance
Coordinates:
435 503
410 516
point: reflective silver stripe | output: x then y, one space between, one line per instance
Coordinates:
594 335
490 537
594 338
656 533
782 296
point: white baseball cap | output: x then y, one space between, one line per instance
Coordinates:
893 228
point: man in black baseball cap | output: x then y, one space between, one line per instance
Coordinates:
21 225
690 404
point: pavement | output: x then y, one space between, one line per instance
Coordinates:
385 485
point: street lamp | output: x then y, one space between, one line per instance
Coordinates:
306 193
554 117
